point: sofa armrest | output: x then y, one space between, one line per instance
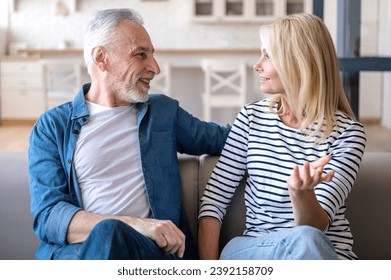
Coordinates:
17 239
369 206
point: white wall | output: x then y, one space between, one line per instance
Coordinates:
370 82
330 17
385 50
3 26
375 93
169 23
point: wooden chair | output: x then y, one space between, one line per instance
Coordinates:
225 85
162 83
63 79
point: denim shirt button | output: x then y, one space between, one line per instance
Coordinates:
69 161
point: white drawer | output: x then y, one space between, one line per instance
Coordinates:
22 104
20 67
21 81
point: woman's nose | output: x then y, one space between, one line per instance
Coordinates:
257 66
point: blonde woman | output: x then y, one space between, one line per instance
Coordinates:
301 147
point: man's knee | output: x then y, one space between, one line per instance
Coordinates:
111 239
112 231
110 225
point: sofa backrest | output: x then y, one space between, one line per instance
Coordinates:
234 220
368 205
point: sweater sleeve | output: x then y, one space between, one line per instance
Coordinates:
228 172
346 151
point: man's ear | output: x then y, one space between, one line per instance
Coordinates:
99 58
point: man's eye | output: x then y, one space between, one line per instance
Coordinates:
142 55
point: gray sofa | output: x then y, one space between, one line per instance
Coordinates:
369 205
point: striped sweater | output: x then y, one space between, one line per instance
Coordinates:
261 145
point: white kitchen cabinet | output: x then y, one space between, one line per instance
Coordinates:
22 90
246 10
14 5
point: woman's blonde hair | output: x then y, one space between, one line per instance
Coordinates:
304 56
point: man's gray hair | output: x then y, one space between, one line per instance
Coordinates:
100 29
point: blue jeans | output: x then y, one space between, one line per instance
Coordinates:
298 243
113 240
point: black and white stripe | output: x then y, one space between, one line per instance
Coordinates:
262 145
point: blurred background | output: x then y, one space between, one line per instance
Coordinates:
42 65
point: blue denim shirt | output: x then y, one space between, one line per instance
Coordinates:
164 129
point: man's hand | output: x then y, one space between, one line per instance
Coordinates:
165 233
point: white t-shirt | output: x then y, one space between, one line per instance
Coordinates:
108 163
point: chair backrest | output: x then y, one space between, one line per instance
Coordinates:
63 79
225 85
162 83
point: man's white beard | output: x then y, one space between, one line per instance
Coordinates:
129 93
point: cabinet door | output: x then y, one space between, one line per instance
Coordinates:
233 8
247 10
22 90
22 104
12 68
264 8
203 8
22 81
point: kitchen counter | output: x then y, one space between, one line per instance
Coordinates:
177 58
44 52
19 57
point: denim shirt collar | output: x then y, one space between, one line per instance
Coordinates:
80 108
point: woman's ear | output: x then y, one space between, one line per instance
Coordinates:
99 58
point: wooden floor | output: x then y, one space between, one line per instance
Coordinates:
14 137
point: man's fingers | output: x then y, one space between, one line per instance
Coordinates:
181 250
169 238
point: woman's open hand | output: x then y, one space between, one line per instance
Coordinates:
310 174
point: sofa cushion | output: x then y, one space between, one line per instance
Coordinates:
17 239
